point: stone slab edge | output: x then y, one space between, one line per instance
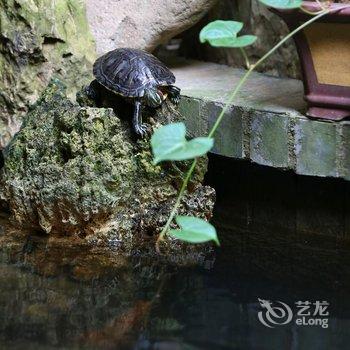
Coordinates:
282 140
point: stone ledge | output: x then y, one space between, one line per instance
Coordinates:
265 124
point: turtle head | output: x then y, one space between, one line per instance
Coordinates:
153 97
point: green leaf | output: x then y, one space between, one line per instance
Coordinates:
242 41
224 34
169 143
194 230
283 4
220 30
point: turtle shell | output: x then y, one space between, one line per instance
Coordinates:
129 72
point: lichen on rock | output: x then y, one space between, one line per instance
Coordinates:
40 39
76 170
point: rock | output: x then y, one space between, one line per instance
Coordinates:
258 20
141 24
40 39
77 171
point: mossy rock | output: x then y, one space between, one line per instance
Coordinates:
40 39
78 171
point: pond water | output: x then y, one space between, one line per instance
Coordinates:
140 304
153 307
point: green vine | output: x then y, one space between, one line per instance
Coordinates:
219 34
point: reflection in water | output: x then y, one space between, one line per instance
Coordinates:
137 304
67 295
60 311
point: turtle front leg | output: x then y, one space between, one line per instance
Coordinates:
139 128
174 94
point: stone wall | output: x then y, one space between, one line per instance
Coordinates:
266 122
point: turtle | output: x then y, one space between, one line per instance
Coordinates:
137 76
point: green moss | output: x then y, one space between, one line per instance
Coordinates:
66 154
40 39
78 171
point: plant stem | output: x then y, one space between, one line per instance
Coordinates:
225 109
177 203
310 12
254 66
246 58
322 6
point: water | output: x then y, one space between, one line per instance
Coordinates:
145 306
72 297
